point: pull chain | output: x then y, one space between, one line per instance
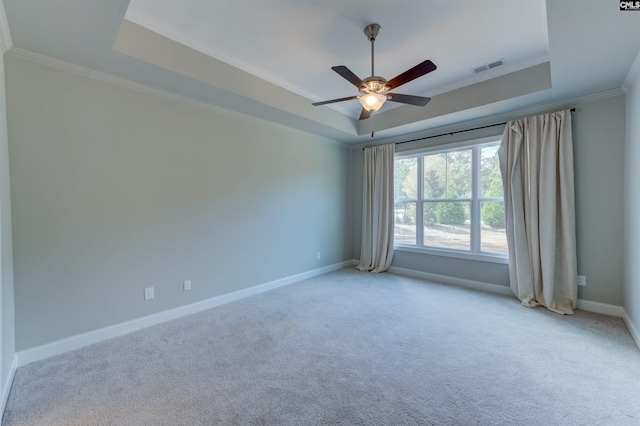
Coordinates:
372 130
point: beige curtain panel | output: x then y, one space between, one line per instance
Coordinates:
536 161
376 250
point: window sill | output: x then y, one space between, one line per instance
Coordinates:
481 257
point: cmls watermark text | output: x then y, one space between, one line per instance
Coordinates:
629 5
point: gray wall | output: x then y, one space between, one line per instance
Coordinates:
115 190
632 207
598 137
7 327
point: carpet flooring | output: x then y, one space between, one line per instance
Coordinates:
346 348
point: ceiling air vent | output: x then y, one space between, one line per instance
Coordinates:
489 66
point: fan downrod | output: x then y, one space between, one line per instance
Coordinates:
371 31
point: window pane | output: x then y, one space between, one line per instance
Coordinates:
405 223
434 175
446 225
490 179
493 237
447 175
405 179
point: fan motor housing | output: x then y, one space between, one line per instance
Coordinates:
374 84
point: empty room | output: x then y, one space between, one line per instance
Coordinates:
319 212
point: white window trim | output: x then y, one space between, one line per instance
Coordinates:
474 253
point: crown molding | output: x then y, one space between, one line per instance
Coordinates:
5 35
505 69
515 114
633 75
140 18
149 90
137 17
61 65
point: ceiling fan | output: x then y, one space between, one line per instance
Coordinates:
375 90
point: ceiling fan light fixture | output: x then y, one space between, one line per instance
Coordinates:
372 102
374 90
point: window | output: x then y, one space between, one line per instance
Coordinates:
449 201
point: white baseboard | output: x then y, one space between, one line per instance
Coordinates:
6 388
81 340
633 328
476 285
600 308
585 305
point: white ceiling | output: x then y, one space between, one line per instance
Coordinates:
294 43
272 58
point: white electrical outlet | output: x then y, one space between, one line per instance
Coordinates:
582 280
318 255
148 293
186 285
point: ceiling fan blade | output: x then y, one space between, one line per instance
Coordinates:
348 75
411 74
332 101
364 114
408 99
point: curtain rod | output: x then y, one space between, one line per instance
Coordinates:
453 133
